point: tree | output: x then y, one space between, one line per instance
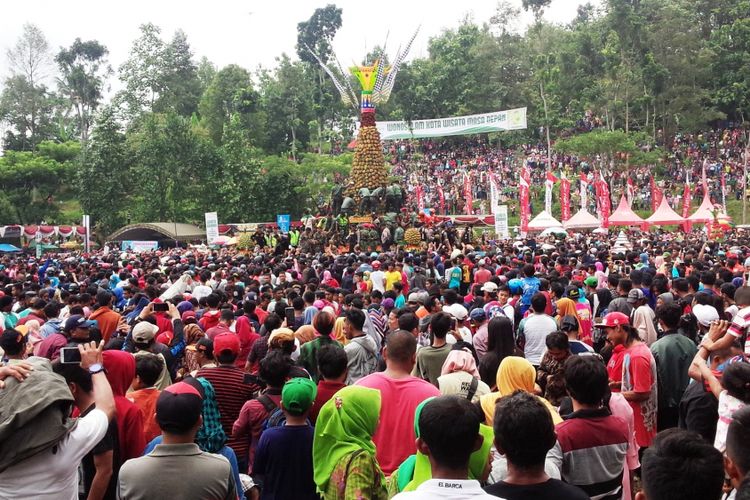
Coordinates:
181 87
83 72
316 34
141 73
30 56
536 7
28 111
105 170
731 43
229 93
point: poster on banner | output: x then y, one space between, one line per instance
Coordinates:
284 222
212 227
497 121
501 222
138 246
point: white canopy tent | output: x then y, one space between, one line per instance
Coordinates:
542 221
582 220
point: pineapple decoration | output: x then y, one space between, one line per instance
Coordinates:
376 82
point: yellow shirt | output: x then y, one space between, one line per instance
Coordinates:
391 277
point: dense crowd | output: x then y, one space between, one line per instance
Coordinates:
442 164
538 368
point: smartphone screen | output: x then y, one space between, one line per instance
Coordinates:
70 355
161 307
289 313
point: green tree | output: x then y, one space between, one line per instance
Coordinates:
731 43
141 73
181 86
83 73
229 93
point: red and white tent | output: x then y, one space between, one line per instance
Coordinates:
704 214
624 215
582 220
664 215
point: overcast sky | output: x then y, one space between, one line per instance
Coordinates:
248 33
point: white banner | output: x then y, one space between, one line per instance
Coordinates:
494 195
498 121
501 222
138 246
212 227
87 237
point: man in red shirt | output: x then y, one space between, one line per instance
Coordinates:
227 317
482 275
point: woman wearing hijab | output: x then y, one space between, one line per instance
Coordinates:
566 307
600 275
344 463
459 376
417 469
120 370
514 374
193 333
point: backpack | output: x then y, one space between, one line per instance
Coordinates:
275 417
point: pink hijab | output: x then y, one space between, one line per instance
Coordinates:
460 361
600 275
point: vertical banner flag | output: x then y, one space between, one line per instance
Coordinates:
212 227
38 245
420 198
87 233
441 198
468 207
494 195
501 222
284 221
686 203
564 198
630 191
723 188
604 200
548 184
656 195
584 191
523 188
704 182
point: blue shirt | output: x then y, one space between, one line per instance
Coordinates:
284 460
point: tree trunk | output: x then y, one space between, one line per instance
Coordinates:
546 124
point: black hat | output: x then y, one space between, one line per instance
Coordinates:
178 408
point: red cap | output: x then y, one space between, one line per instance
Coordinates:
615 319
376 264
227 342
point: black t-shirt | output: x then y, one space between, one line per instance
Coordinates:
698 411
553 489
108 443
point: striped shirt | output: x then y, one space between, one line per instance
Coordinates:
590 452
231 393
739 328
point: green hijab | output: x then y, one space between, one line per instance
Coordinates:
211 437
345 425
416 469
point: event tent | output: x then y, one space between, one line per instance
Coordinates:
704 213
8 248
543 221
624 215
664 215
582 220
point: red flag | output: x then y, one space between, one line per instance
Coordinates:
441 198
584 190
723 188
420 199
564 198
468 207
630 191
656 195
602 200
686 205
704 182
523 187
551 177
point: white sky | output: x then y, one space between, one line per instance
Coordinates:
249 33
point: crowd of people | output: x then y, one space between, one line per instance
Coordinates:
537 368
440 166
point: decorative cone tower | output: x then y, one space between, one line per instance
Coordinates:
376 81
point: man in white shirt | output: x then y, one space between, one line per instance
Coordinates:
534 329
448 434
377 277
52 473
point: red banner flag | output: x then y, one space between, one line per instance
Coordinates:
523 187
420 199
468 207
686 205
441 199
564 199
630 191
656 195
602 200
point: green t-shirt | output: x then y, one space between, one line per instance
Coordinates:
430 362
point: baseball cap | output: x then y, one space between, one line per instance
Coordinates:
178 407
144 332
489 287
415 297
204 345
591 281
477 314
457 311
574 293
635 295
280 335
569 323
226 342
298 395
188 315
614 319
376 264
76 321
705 314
